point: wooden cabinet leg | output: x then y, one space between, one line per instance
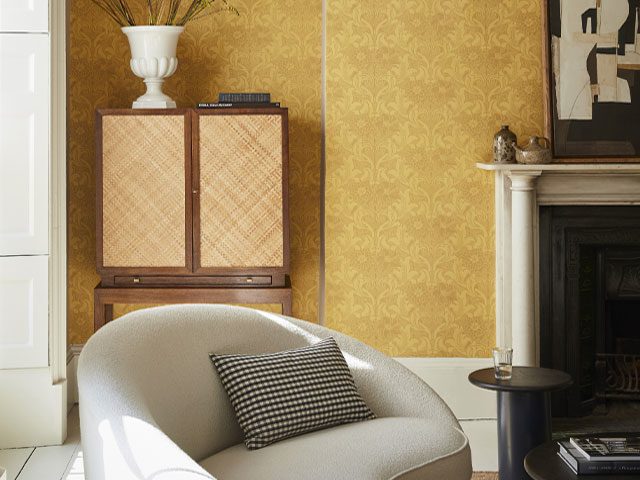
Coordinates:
98 311
108 313
286 306
102 313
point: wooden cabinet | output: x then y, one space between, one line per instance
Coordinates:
24 143
193 199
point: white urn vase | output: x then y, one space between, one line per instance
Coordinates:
153 58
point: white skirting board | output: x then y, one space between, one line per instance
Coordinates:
474 407
72 378
32 408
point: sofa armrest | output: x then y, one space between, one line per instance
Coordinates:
121 439
122 446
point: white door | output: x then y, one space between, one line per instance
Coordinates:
24 322
24 15
24 143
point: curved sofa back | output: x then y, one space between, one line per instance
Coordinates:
153 365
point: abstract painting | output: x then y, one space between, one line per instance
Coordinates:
593 49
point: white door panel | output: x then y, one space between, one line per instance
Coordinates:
24 322
24 143
24 15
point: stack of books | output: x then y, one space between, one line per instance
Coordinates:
241 100
601 455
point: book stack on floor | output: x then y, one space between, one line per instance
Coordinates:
241 100
601 455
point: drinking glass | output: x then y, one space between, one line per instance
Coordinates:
502 362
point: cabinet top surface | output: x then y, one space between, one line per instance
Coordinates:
198 111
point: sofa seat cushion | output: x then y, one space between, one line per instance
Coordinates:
384 448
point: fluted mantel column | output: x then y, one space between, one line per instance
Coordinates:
523 325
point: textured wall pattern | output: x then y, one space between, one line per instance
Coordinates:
274 46
415 92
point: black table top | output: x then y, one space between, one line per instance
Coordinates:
543 463
523 379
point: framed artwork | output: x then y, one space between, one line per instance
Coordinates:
592 79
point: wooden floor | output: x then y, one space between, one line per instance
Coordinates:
64 462
61 462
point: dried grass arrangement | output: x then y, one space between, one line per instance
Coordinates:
162 12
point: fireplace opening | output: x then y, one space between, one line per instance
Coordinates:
618 364
590 313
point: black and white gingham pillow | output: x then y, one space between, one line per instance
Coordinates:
280 395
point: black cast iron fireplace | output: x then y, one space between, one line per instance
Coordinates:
618 358
590 303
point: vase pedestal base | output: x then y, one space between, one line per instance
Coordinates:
154 104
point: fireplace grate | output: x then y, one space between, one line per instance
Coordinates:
618 376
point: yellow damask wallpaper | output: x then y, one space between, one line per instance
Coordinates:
415 91
273 46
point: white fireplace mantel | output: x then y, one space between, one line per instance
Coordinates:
519 191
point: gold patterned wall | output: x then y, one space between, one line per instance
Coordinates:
274 46
415 91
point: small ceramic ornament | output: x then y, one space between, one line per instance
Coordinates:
504 143
537 151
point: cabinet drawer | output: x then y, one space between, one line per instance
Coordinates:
217 280
24 16
24 143
24 323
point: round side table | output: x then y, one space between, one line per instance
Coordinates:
524 414
543 463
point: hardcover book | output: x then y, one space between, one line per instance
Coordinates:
238 105
244 97
580 465
598 449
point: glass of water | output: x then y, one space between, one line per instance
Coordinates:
502 362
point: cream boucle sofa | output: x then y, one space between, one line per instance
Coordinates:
152 406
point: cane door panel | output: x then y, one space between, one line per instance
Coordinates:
145 208
241 191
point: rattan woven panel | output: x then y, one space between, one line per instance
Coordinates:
143 191
241 220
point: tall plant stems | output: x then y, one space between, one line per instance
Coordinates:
163 12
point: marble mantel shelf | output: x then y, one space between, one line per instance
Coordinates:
563 167
519 192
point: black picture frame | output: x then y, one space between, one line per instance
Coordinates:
605 129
